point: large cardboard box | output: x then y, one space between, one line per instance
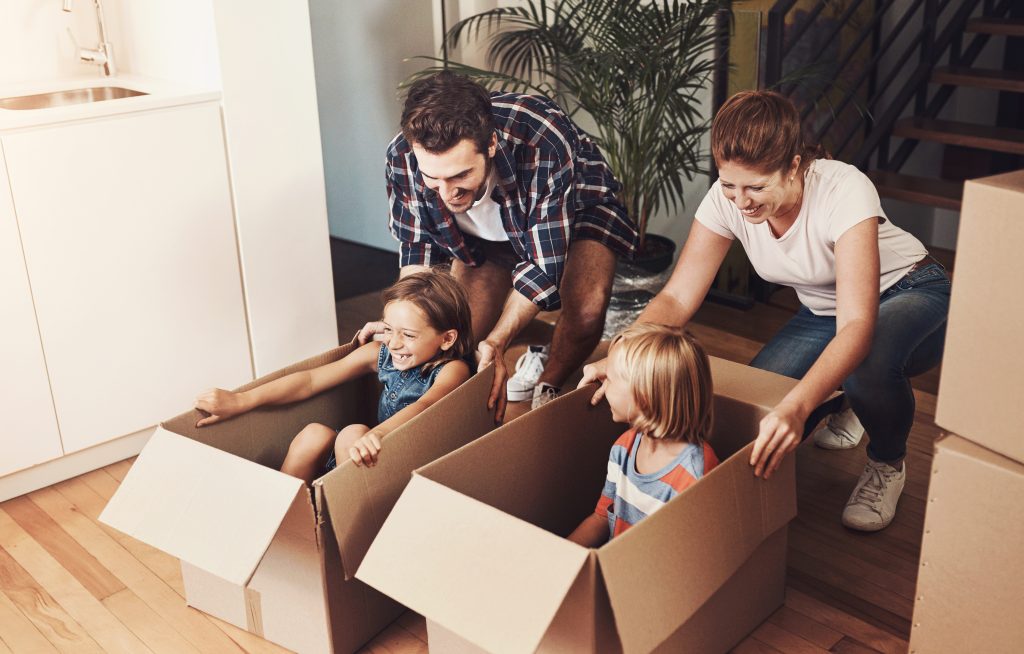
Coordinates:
476 542
982 383
970 587
257 548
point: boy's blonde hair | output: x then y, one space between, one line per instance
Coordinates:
443 302
670 377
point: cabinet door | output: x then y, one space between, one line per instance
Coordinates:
29 433
129 240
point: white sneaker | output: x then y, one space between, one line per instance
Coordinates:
842 431
542 394
528 370
872 505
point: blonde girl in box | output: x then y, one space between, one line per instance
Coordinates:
427 332
659 382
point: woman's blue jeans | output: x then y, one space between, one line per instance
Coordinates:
909 338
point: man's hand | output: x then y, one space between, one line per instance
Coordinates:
487 354
780 433
595 372
365 450
220 404
370 331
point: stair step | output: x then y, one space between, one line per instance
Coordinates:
1001 26
985 78
971 135
923 190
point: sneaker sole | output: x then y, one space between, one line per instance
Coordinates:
830 446
518 396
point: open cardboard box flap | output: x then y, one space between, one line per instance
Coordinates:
652 595
522 572
358 499
214 510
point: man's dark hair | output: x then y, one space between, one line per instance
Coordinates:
445 108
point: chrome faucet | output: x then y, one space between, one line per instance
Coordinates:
103 53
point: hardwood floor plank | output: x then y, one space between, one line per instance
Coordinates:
395 640
785 641
192 625
855 566
87 570
850 646
754 646
844 622
79 603
807 628
246 641
165 566
16 630
147 624
120 469
415 624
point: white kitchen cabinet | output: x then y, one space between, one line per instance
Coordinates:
28 434
127 229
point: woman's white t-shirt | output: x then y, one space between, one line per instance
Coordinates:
837 196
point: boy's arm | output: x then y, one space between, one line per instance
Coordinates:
368 446
592 532
221 404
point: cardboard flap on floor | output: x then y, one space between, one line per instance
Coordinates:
358 499
495 580
214 510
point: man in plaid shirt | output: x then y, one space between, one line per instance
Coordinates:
519 198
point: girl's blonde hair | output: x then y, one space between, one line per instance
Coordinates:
670 377
443 302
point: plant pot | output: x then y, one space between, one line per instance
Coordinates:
657 256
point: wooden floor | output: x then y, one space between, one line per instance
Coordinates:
70 584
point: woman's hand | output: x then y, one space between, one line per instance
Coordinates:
365 450
369 332
220 404
595 372
780 433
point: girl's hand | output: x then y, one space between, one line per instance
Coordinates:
595 372
780 433
370 331
365 450
220 404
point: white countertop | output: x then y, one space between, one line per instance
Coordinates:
159 94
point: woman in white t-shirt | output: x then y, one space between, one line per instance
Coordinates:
874 303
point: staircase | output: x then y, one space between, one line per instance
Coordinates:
871 75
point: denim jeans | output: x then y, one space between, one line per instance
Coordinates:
909 338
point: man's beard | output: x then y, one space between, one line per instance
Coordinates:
478 193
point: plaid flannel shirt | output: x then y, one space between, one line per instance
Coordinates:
553 185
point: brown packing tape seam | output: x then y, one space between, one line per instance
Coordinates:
253 612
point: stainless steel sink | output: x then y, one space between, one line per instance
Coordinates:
72 96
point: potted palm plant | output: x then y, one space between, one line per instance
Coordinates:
638 71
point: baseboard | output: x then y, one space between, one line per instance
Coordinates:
72 465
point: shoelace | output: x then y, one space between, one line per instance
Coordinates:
546 395
532 361
870 494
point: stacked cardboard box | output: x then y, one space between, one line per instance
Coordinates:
970 590
476 542
256 548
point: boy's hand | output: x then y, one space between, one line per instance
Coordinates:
595 372
220 404
365 450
